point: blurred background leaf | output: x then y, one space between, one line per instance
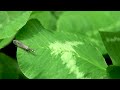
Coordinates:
46 18
11 22
89 23
8 67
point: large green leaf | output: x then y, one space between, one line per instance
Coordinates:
57 54
112 43
11 22
8 67
89 23
46 18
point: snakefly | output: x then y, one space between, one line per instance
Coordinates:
21 45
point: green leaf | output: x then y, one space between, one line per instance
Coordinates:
113 72
57 54
4 42
46 18
89 23
8 67
57 14
11 22
115 15
112 43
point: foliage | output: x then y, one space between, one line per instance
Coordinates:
64 45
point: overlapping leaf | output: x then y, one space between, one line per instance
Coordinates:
112 43
89 23
4 42
11 22
46 18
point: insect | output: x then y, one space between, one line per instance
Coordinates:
21 45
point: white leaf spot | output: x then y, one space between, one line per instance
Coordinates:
67 55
